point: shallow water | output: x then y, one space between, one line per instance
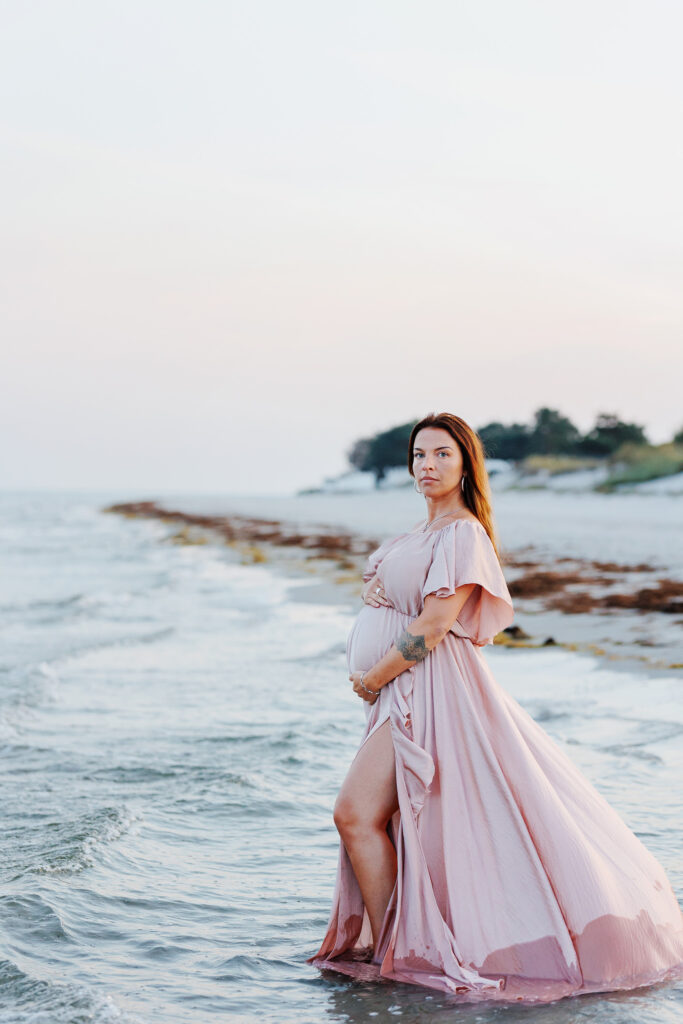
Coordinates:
174 729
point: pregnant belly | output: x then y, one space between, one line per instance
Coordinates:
371 636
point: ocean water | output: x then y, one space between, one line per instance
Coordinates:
174 728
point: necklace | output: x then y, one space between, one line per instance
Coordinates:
442 516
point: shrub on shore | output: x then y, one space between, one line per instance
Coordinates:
636 463
554 464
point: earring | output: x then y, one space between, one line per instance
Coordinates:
462 482
416 487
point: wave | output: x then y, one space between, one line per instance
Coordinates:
69 847
84 602
28 1000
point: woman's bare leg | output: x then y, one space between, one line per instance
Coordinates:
366 802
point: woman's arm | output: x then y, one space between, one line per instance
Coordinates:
421 637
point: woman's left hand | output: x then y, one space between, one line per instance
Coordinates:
357 688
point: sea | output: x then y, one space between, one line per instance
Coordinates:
174 727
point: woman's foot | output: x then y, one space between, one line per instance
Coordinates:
364 955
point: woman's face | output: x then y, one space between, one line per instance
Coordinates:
437 462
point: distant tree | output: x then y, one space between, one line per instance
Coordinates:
389 449
552 433
381 452
608 433
505 442
359 454
678 438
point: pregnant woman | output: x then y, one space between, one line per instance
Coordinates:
474 857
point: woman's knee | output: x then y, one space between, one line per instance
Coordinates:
351 818
368 796
346 815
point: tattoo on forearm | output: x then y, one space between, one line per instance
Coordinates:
413 648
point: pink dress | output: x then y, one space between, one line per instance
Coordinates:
516 879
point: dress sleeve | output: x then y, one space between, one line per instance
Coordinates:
463 553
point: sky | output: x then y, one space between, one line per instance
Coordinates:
237 237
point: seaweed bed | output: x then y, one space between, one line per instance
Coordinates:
570 586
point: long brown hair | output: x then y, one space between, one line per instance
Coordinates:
476 491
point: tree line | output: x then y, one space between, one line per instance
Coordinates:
550 433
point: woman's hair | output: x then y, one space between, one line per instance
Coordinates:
476 490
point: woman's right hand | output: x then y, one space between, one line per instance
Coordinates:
370 595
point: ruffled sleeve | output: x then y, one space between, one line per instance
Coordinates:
463 553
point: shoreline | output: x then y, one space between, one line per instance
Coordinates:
621 613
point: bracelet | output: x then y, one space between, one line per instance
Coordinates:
361 683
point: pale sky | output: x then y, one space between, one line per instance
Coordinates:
236 237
